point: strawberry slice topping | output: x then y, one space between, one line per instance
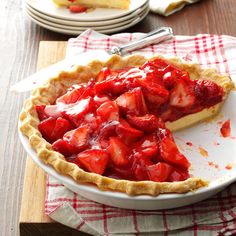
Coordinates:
76 112
104 74
64 148
170 154
77 8
178 175
140 166
225 129
73 94
118 152
94 160
114 125
78 138
108 111
159 172
53 129
41 113
147 123
207 92
132 102
127 133
147 147
154 93
182 95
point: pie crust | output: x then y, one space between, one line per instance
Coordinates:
56 86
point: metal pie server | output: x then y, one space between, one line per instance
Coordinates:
40 77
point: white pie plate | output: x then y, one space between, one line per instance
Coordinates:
81 28
86 23
99 14
222 152
72 31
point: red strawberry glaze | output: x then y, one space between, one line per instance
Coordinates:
115 124
226 129
77 8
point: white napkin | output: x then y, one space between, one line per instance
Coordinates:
168 7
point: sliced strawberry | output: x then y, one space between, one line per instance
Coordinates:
116 82
157 63
159 172
170 154
130 76
77 8
139 167
104 74
118 152
152 74
107 130
64 148
116 172
75 112
108 111
153 92
41 113
132 102
46 128
170 79
94 160
147 123
207 92
225 130
127 102
99 100
182 95
53 129
163 133
147 146
54 111
72 95
140 102
92 121
178 175
78 138
61 127
126 132
111 86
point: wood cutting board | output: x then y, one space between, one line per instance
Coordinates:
32 220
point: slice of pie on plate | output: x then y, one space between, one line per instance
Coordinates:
110 123
120 4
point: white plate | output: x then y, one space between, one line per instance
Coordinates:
84 23
60 29
98 14
81 28
221 152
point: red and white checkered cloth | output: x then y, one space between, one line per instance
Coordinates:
215 216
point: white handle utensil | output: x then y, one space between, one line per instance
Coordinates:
40 77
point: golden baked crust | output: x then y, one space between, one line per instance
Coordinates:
56 86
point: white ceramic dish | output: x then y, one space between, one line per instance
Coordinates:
99 14
77 32
80 28
206 135
84 23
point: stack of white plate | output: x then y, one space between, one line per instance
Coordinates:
59 19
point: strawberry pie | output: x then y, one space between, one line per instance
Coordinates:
110 123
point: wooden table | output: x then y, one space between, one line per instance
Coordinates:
19 44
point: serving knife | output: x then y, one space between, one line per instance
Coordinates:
41 77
